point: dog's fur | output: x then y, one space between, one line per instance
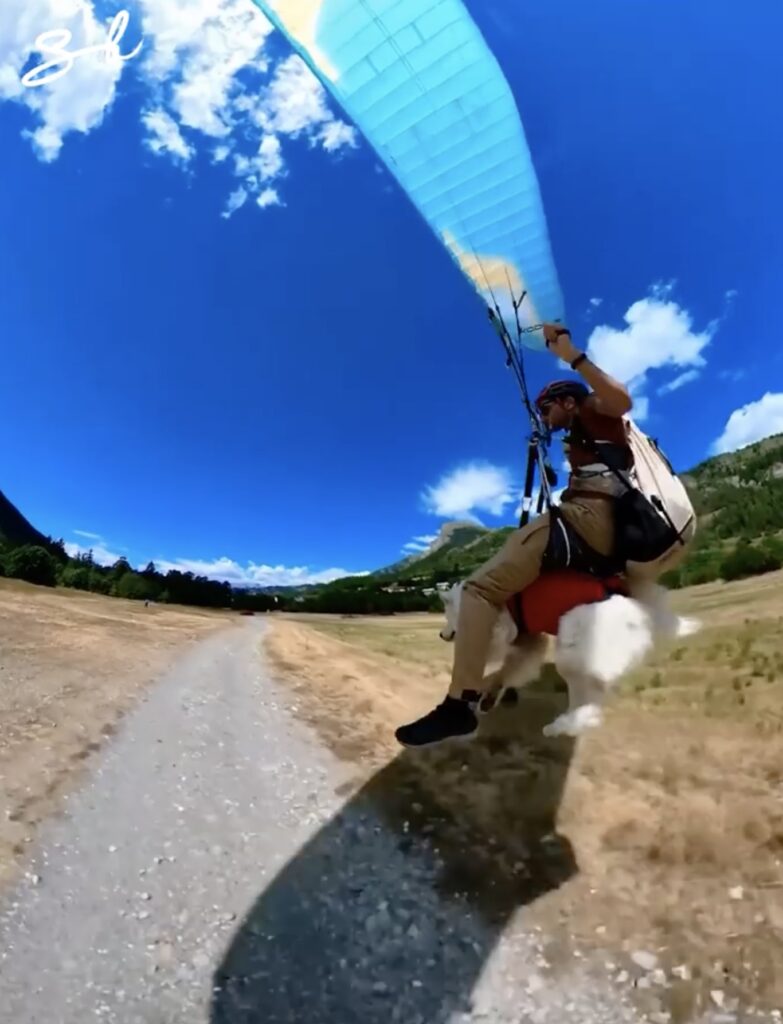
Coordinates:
595 645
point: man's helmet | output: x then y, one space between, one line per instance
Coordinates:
561 389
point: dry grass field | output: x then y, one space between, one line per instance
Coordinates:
70 664
660 832
672 812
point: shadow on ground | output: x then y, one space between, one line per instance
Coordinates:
390 912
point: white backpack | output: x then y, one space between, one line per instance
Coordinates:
654 476
654 517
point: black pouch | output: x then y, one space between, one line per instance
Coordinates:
642 532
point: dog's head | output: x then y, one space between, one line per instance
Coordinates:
450 599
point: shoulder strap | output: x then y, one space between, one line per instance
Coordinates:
589 442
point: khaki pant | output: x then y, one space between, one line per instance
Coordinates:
512 569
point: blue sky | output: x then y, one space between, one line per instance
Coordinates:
232 344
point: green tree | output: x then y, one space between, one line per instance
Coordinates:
57 548
747 560
132 586
32 563
120 567
99 581
76 575
774 547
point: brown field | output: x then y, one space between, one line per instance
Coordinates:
70 664
662 831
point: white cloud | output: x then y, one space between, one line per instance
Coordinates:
269 197
78 100
596 302
674 385
264 165
336 134
663 289
269 159
164 136
420 543
100 553
199 63
475 487
223 569
229 39
659 334
203 65
733 375
294 102
226 569
237 199
751 422
210 39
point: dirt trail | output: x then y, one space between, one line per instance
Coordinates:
70 665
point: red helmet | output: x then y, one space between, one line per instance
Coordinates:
561 389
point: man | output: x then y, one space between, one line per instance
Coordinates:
586 506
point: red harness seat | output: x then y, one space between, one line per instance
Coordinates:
539 608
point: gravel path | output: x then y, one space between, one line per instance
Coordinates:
211 872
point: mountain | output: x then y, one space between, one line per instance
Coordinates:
738 498
278 589
740 494
453 536
15 529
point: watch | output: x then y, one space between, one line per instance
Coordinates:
580 358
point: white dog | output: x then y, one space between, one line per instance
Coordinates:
595 645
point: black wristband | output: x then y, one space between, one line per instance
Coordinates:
579 359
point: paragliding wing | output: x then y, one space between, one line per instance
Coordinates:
419 81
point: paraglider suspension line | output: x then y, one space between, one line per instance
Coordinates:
539 437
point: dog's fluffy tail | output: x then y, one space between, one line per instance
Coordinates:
655 599
687 627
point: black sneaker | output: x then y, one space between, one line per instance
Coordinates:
453 719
